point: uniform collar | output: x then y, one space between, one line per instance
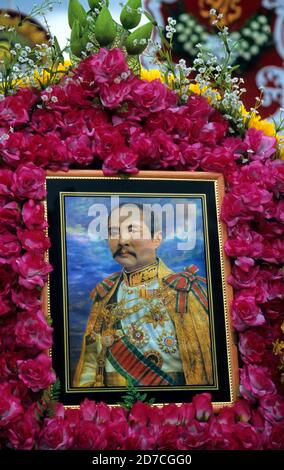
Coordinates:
140 276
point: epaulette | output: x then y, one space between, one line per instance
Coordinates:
103 288
185 282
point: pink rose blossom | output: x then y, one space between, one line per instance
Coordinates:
23 433
36 373
6 180
32 331
88 435
9 213
26 299
33 240
9 247
33 270
272 408
245 312
28 182
123 161
263 146
10 406
33 215
56 434
255 382
252 347
151 97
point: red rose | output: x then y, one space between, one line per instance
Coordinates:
5 306
36 373
33 240
107 140
56 434
198 107
275 436
255 382
10 406
32 331
112 96
203 406
15 109
252 347
80 150
33 270
7 279
245 312
33 215
29 181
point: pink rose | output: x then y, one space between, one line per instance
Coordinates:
33 215
191 155
278 166
10 406
36 373
203 406
107 140
33 240
112 96
241 279
102 67
273 251
15 109
80 150
6 180
245 312
218 159
7 279
28 182
168 152
263 146
26 299
33 270
198 107
124 161
255 382
198 436
252 347
22 433
275 436
244 263
272 408
32 331
88 435
56 434
244 241
151 97
9 213
12 148
9 247
213 132
248 437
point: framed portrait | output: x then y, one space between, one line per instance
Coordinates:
138 292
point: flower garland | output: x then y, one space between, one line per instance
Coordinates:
103 116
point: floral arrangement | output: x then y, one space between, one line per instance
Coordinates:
102 114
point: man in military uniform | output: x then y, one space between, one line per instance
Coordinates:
147 323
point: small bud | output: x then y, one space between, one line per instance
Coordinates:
76 12
105 28
130 16
133 42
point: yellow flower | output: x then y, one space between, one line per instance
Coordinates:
150 75
262 125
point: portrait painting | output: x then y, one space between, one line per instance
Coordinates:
138 293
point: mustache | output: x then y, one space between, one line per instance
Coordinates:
118 252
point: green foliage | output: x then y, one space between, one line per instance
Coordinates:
47 404
133 395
